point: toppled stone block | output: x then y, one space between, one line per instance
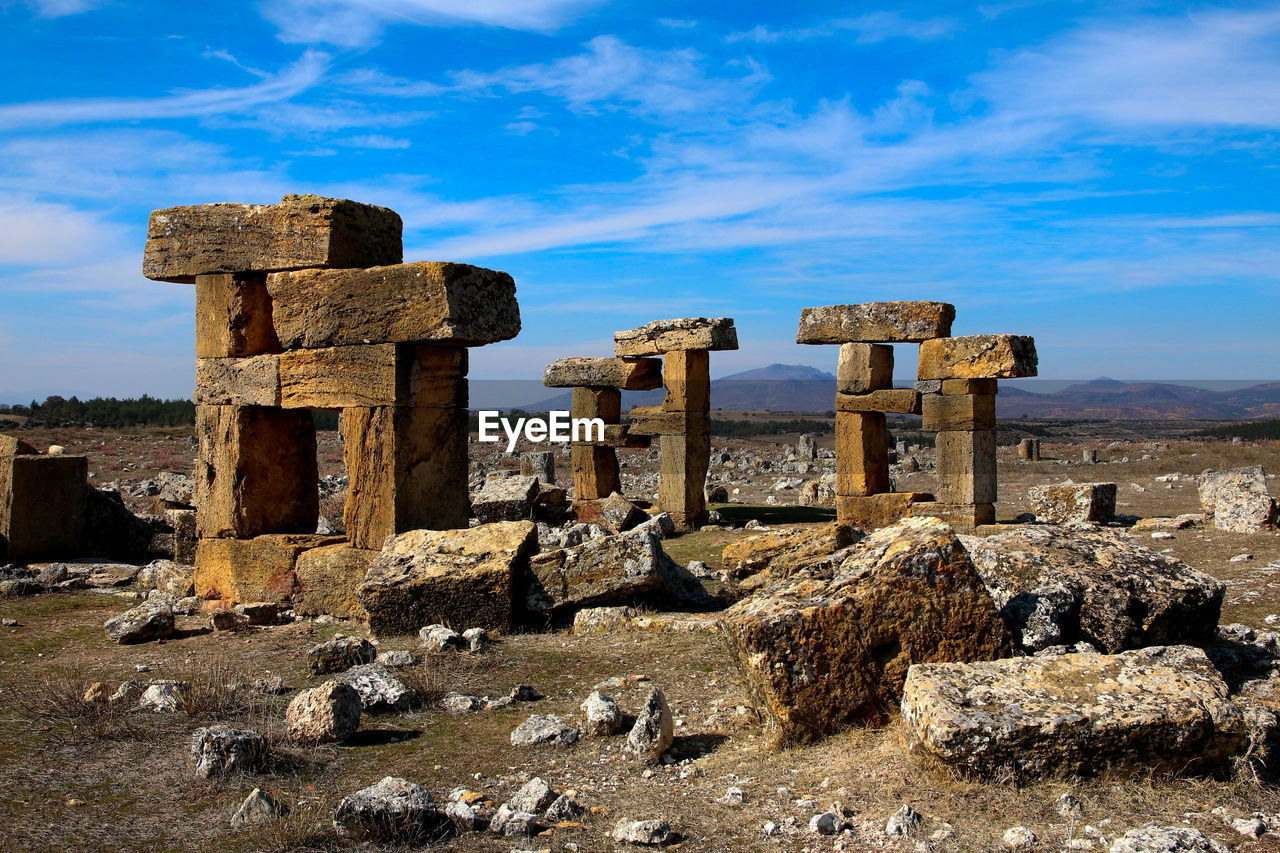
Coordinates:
614 513
1162 709
1238 499
599 572
422 302
978 357
875 322
782 553
300 232
506 499
820 651
663 336
464 578
167 576
1059 586
871 512
258 569
1073 502
327 579
43 507
151 620
629 374
324 714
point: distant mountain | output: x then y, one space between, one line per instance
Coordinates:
800 388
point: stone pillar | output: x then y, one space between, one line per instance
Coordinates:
595 467
540 464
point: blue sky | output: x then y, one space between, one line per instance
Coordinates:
1103 176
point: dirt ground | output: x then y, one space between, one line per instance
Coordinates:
70 780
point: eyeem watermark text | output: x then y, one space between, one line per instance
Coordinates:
557 426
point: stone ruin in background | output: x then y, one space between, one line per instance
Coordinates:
307 305
682 423
955 394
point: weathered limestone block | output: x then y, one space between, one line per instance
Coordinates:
10 446
823 650
783 553
978 357
467 578
301 231
44 507
620 435
681 480
963 517
602 403
614 513
1067 502
862 453
1238 499
969 386
686 376
327 579
664 336
408 469
656 420
426 301
629 374
233 316
258 569
966 466
595 471
256 472
505 499
863 368
595 573
1029 449
540 464
959 412
374 375
1163 709
253 381
871 512
876 322
902 401
1059 586
330 712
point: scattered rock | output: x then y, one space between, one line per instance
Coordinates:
395 659
220 750
457 703
1019 838
904 823
476 638
505 499
97 692
548 729
1166 839
438 638
340 654
654 731
167 576
509 822
649 833
533 796
602 714
1064 503
258 808
393 810
379 690
525 693
827 823
464 817
598 572
330 712
151 620
563 808
163 697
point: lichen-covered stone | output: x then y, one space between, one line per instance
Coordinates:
654 729
151 620
978 357
688 333
829 648
782 553
598 572
629 374
1062 503
506 499
1062 585
422 302
340 654
463 578
221 750
1163 709
327 579
379 690
300 232
875 322
253 381
394 811
328 713
1238 499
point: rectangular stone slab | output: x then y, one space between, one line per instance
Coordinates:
689 333
327 579
969 386
966 466
958 412
602 403
301 231
233 316
422 302
257 569
864 367
255 472
875 322
1062 503
978 357
862 453
251 381
43 507
901 401
629 374
655 420
963 517
871 512
374 375
1159 709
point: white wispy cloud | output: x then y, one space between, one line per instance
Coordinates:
61 8
293 80
870 28
358 23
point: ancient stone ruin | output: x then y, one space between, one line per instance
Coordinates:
682 423
955 393
44 503
306 305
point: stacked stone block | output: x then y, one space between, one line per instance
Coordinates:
306 305
43 503
597 385
683 421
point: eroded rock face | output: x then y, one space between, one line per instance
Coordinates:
821 651
1063 585
1068 502
505 499
1238 499
654 728
875 322
330 712
379 690
686 333
340 654
1162 708
393 810
462 578
595 573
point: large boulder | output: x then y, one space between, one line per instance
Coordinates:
151 620
379 690
394 810
601 571
830 647
1162 709
1063 585
1238 499
780 554
167 576
340 653
462 578
324 714
1062 503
